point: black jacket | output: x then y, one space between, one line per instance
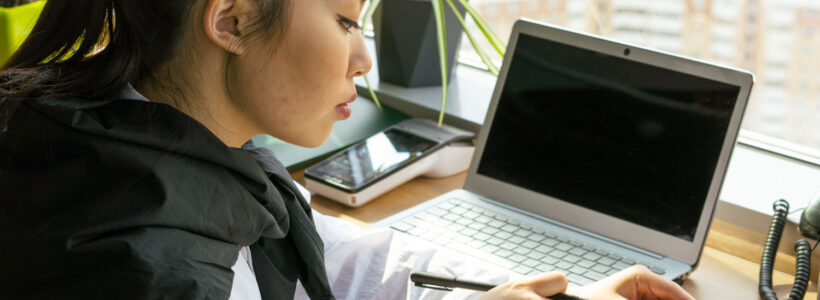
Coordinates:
122 199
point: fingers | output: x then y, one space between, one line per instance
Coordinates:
654 286
547 284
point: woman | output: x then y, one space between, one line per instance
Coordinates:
126 167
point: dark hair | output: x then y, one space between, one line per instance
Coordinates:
93 48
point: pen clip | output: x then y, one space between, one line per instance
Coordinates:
435 287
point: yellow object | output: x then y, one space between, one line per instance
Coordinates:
15 25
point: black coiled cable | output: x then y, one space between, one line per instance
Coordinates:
802 249
802 274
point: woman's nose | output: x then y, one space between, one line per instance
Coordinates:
360 62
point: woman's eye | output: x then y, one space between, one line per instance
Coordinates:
348 24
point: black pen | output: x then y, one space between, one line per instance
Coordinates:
447 283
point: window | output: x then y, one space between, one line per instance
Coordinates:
771 38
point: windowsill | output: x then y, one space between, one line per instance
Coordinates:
755 178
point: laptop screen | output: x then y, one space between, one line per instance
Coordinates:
624 138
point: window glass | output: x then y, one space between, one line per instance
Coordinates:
776 40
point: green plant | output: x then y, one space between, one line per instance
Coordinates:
438 12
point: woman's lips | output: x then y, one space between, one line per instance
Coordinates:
344 109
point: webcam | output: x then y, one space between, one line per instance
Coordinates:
626 51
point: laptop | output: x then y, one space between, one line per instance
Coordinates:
595 155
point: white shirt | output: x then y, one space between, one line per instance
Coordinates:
369 263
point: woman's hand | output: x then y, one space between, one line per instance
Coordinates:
536 288
633 283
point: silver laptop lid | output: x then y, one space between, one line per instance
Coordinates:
620 140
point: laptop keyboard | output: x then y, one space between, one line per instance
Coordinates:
512 244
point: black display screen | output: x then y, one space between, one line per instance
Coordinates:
627 139
379 154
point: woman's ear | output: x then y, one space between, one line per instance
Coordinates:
226 23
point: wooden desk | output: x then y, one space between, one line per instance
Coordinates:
719 276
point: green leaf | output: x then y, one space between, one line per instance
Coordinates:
368 15
372 93
488 32
484 58
441 35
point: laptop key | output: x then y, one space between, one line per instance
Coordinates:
478 226
529 244
535 255
509 228
606 261
522 250
490 230
594 275
571 259
615 257
545 268
450 217
502 234
543 249
620 266
495 241
577 251
586 263
530 262
588 247
550 242
503 253
508 245
578 279
535 237
464 222
468 231
557 253
563 265
470 215
522 270
592 256
523 232
516 239
576 243
538 230
562 238
516 257
454 201
549 260
656 269
489 248
578 270
563 247
458 210
602 252
628 261
601 269
495 223
488 213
